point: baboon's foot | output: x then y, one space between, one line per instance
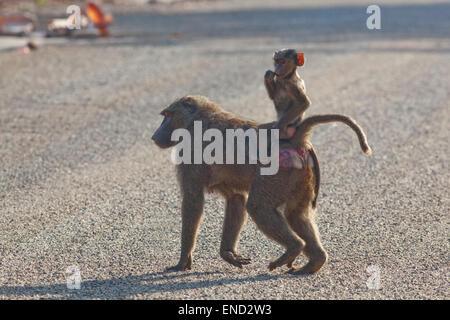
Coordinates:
288 257
234 258
181 266
290 263
312 266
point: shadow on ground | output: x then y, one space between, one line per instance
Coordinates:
123 287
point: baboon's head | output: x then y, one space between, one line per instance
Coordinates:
179 115
286 62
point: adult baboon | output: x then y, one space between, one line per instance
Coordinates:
291 188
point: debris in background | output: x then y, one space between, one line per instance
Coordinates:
61 27
30 46
101 21
18 25
93 17
24 50
177 34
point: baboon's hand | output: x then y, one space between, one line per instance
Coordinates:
234 258
269 76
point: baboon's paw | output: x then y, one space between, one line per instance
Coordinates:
181 266
309 268
178 268
288 257
277 263
294 270
273 265
300 271
234 258
290 263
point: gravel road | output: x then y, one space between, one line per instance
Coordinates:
81 183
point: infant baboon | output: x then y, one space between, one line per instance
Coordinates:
288 93
287 90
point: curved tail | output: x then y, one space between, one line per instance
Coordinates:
305 127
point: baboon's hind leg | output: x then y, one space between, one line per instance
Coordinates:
302 221
262 204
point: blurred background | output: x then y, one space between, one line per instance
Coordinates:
81 183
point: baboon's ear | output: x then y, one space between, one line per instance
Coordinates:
300 59
274 54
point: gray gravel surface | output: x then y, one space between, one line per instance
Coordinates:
82 185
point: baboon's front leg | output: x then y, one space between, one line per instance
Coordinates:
191 211
235 216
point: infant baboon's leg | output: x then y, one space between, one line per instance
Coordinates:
266 195
235 217
302 221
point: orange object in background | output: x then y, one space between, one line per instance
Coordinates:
16 25
300 59
100 20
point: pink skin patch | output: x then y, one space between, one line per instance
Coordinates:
290 131
291 158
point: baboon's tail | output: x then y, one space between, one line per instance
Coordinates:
304 129
316 175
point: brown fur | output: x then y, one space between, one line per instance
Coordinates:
286 89
280 205
303 132
194 179
297 191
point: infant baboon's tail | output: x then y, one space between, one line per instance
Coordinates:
304 129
